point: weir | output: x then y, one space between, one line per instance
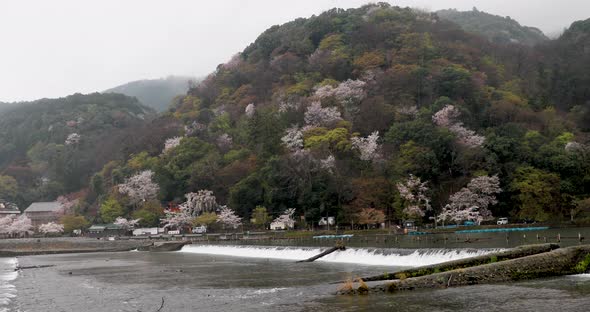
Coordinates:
557 262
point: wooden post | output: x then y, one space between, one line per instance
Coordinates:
558 237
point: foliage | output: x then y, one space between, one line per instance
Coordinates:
228 217
71 223
110 210
51 228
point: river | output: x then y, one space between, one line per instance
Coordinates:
231 277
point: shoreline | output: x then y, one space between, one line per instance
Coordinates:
64 245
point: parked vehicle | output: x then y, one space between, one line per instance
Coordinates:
174 232
502 221
200 229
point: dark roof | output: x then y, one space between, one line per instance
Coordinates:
44 207
102 227
8 208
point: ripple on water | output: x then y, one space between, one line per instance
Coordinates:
7 275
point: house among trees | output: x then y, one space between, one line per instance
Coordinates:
8 209
44 212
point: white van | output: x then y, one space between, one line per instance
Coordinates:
502 221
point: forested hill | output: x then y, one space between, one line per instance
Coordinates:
155 93
51 147
369 112
496 28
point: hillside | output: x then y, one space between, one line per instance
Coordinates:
51 146
155 93
370 115
496 28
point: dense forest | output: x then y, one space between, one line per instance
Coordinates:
52 147
375 110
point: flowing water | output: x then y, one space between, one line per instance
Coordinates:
7 289
265 278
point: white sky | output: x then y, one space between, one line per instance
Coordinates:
59 47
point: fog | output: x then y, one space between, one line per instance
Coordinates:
59 47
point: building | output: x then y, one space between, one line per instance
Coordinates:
106 230
8 209
44 212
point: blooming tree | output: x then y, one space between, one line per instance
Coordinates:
293 139
224 141
286 218
177 219
73 139
126 224
16 225
328 164
171 143
368 147
67 205
446 117
413 191
471 203
194 127
229 217
199 202
140 187
349 93
318 116
250 110
51 228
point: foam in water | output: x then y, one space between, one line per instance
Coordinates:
7 274
384 257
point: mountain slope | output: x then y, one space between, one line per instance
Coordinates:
335 114
496 28
155 93
51 146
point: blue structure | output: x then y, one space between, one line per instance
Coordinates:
520 229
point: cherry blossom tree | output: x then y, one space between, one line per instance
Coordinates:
317 116
250 110
73 139
177 219
5 223
194 128
368 147
126 224
171 143
51 228
328 164
67 205
286 218
140 187
349 93
199 202
413 191
18 225
228 217
471 203
293 139
224 141
446 117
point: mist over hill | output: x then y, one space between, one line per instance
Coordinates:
496 28
155 93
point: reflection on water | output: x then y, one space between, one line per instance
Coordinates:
7 289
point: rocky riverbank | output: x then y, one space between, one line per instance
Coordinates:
57 245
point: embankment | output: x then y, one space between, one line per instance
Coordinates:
39 246
564 261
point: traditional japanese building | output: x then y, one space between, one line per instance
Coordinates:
44 212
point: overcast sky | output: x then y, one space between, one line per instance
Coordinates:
59 47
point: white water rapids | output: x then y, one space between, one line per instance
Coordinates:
381 257
7 274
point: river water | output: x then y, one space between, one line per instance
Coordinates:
262 278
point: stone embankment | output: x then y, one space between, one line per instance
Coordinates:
39 246
499 267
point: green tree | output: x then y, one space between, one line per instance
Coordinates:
206 219
149 213
110 210
71 223
8 187
260 217
537 193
